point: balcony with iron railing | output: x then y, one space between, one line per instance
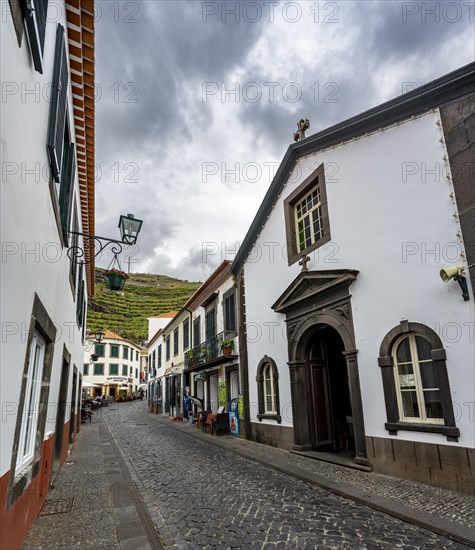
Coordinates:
211 351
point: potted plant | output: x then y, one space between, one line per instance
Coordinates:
227 346
189 357
203 354
115 278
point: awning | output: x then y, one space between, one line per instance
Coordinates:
89 385
197 401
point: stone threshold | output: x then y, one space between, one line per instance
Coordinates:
341 460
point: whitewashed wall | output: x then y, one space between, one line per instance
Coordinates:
32 257
155 324
384 222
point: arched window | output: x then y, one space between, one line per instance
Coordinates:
415 380
268 390
417 383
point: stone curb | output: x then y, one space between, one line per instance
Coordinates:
435 524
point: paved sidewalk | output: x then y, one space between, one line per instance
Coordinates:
93 503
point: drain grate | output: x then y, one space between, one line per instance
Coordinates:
57 506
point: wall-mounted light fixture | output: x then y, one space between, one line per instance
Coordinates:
89 343
129 230
457 274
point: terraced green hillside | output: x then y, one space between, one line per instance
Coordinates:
126 312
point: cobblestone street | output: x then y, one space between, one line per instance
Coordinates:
202 496
138 481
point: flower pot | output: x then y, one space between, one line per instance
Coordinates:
115 281
227 351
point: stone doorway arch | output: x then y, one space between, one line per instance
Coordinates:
318 299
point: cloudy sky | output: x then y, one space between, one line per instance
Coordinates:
197 103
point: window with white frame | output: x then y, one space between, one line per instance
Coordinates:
308 219
29 425
269 390
417 384
267 379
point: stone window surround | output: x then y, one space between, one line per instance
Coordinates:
386 363
176 341
266 360
289 212
226 295
40 322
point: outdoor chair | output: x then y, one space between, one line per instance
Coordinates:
221 423
202 415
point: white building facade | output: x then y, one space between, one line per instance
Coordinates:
113 368
197 351
47 195
353 343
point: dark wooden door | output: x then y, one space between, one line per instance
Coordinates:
319 398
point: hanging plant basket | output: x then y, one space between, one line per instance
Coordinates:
115 279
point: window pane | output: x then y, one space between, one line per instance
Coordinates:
433 404
423 348
406 376
428 375
269 406
31 407
404 352
409 404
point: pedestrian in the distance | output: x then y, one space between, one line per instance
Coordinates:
188 405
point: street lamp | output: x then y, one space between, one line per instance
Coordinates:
129 230
99 336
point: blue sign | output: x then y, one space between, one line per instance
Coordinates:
233 416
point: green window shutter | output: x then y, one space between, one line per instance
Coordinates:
57 113
80 298
67 186
35 22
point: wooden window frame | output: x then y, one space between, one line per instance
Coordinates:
267 362
96 365
110 369
316 178
229 332
176 341
35 23
438 354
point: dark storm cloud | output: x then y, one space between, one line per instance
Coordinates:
159 58
405 35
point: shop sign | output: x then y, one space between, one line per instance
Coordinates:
117 379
